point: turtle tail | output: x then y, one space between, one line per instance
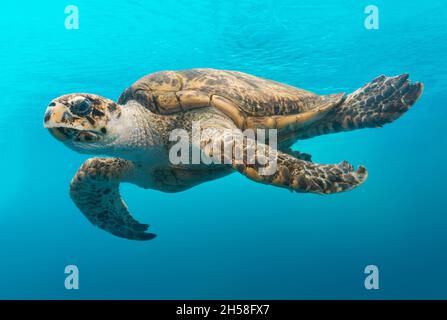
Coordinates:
379 102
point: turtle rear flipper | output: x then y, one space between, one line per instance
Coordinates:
379 102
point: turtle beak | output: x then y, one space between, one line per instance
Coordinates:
54 118
54 114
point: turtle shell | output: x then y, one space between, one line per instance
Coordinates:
250 101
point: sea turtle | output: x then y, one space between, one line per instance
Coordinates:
135 133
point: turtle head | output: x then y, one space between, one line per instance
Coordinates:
82 121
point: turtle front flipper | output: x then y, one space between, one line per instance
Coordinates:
304 176
379 102
264 164
95 191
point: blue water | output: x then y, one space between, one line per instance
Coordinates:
230 238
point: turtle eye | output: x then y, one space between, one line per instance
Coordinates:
82 107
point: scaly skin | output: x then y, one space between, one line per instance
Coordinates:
95 191
135 132
377 103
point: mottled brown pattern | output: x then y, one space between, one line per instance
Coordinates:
60 111
249 101
253 95
379 102
159 103
95 191
99 106
291 172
